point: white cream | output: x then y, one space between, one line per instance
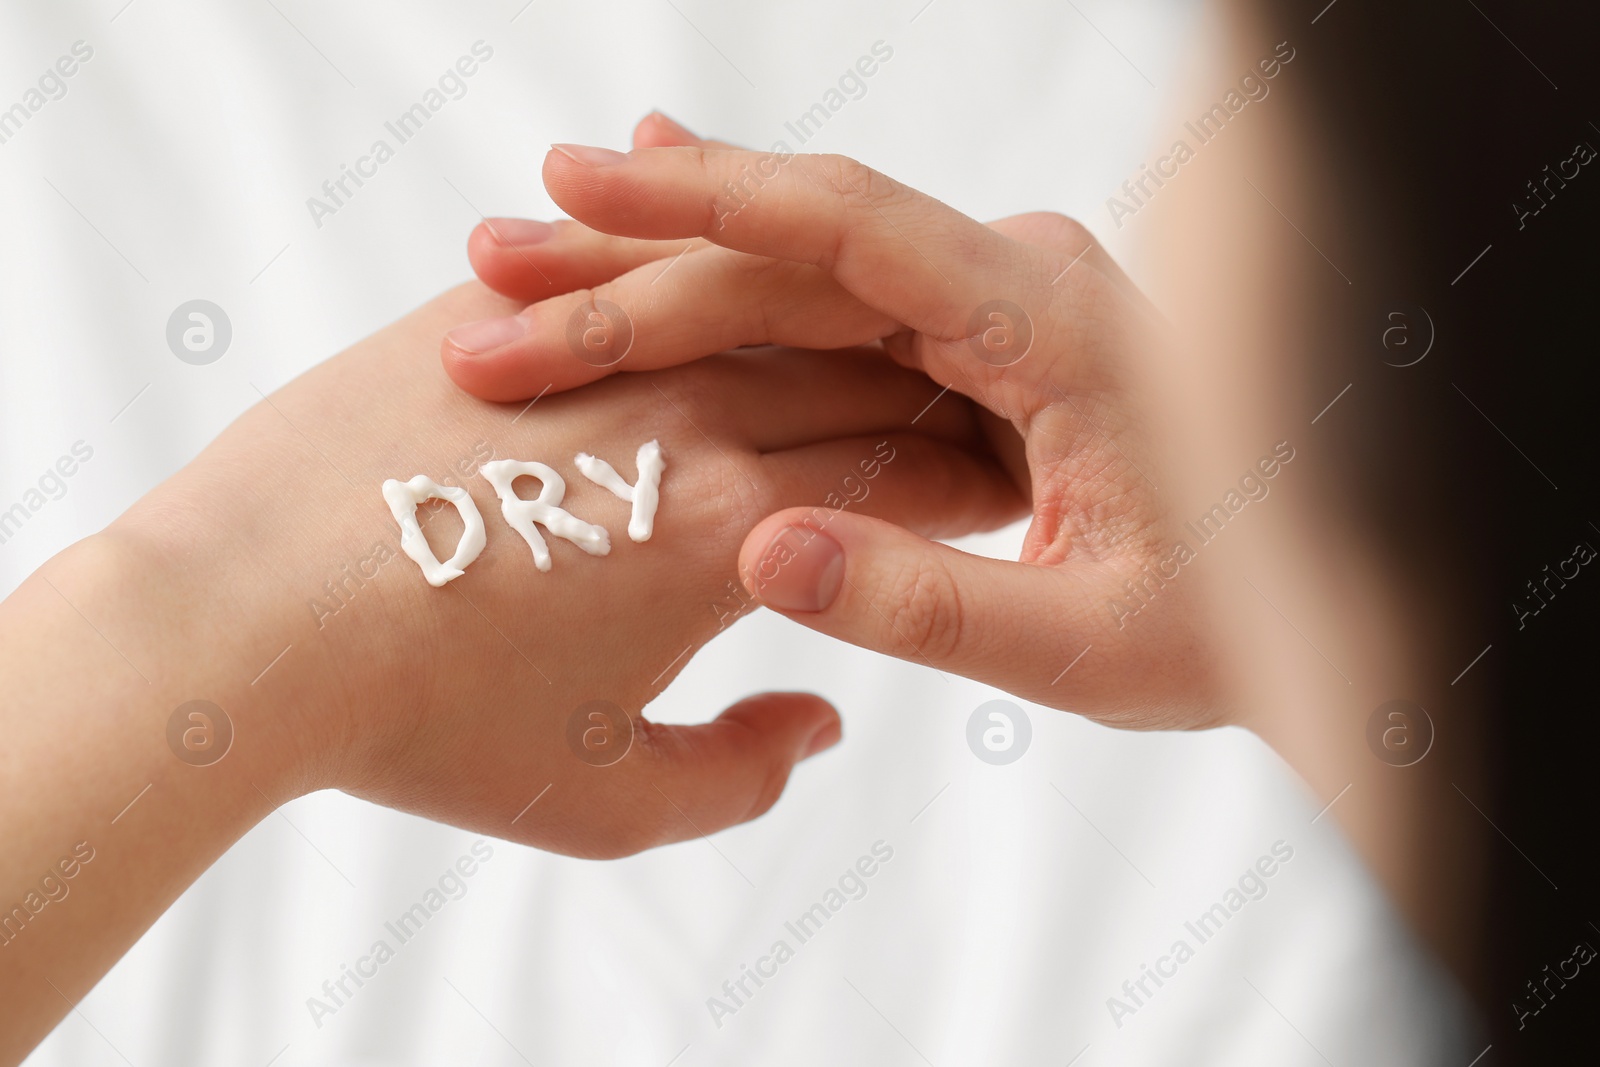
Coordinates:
644 495
403 498
546 510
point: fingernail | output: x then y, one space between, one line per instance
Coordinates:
520 231
590 156
824 739
486 335
801 570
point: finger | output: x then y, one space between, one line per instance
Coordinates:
881 587
657 315
531 260
656 130
1042 632
935 488
1057 233
774 398
905 254
689 781
525 258
678 312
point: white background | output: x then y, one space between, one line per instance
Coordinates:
178 165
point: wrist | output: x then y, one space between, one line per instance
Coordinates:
285 595
189 635
114 790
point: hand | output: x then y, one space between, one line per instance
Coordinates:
1027 316
266 578
455 702
529 260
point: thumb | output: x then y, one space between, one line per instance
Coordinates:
701 779
873 584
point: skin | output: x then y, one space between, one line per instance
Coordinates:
1393 630
452 703
820 256
828 252
225 557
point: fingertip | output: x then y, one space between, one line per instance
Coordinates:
588 155
656 130
569 182
486 337
516 233
757 540
621 196
734 768
828 735
789 564
465 370
812 722
497 374
507 263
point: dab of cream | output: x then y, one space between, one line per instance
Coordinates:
403 498
644 494
546 510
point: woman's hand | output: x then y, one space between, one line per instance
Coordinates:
456 702
1026 316
266 579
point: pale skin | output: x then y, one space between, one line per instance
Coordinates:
452 703
812 259
1391 630
821 251
200 585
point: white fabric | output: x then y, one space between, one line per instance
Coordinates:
1007 915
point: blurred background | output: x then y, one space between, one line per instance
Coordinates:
177 163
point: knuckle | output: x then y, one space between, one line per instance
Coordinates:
857 190
584 297
847 175
1060 238
738 493
1067 232
1049 230
711 219
578 302
925 609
